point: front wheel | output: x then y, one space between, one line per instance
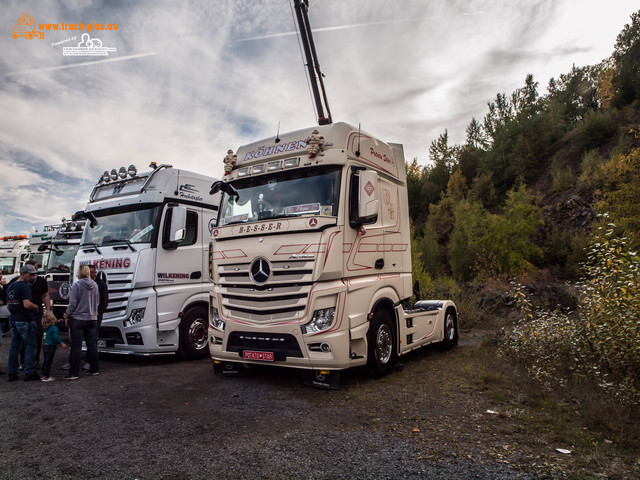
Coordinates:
194 329
382 354
450 337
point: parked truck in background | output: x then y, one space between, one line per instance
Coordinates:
37 240
148 234
61 248
14 251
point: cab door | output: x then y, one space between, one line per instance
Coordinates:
179 265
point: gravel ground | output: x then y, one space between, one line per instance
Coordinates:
160 418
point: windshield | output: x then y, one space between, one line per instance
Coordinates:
308 192
7 264
135 226
61 257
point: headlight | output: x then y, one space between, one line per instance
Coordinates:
137 315
216 321
321 321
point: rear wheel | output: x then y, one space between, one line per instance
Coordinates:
450 329
194 330
382 353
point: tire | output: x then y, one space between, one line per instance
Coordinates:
450 334
194 332
381 350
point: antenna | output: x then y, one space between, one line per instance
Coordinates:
277 140
313 66
359 136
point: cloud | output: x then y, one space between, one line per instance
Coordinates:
190 80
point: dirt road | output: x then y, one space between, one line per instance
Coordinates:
159 418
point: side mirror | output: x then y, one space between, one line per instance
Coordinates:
178 228
363 197
225 187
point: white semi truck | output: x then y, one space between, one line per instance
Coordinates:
14 251
148 234
311 258
60 244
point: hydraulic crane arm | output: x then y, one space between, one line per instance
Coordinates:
315 74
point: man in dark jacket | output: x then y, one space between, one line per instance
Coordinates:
103 295
23 324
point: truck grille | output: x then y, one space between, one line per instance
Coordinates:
120 289
283 296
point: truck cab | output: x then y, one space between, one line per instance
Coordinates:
148 235
311 258
14 251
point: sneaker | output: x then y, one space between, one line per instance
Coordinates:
31 376
86 366
47 379
13 377
70 377
66 366
93 374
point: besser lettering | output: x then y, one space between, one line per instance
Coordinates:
265 227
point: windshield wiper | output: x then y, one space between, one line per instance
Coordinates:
121 240
91 244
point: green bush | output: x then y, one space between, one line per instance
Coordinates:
563 176
600 343
596 129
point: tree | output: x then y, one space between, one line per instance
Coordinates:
626 56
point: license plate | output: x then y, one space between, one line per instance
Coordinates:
102 344
264 356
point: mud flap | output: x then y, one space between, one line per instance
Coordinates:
230 369
329 380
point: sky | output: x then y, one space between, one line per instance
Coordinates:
184 82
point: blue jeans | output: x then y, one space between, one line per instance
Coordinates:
49 351
83 330
22 332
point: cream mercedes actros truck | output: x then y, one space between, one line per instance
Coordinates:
311 258
148 234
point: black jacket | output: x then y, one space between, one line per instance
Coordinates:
103 292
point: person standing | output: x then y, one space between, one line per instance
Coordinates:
4 311
50 342
39 296
103 295
82 318
23 324
103 298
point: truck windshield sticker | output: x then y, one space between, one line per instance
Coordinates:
300 209
141 233
236 218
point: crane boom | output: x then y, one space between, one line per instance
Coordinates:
313 66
